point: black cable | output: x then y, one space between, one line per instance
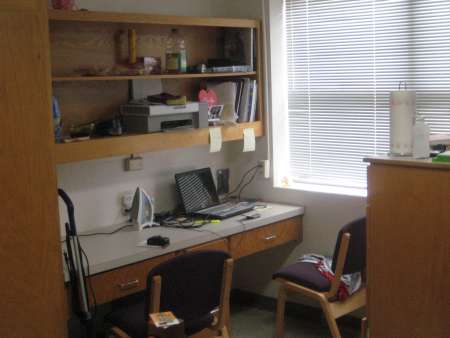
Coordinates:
246 184
94 299
242 179
106 233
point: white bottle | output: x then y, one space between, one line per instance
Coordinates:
421 138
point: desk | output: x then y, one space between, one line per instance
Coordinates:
119 267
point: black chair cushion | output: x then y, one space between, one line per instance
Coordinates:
304 274
131 320
196 325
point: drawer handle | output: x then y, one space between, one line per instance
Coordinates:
129 285
269 238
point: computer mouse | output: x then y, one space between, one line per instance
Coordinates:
158 240
253 216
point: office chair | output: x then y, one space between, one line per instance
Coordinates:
304 278
194 286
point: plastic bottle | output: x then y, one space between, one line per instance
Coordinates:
421 138
176 61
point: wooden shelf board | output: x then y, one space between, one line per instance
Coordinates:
150 77
132 144
140 18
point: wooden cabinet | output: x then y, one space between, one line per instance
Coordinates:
221 244
97 41
124 281
32 292
408 249
266 237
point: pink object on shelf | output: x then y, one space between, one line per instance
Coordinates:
208 96
63 4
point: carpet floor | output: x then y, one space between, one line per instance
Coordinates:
251 322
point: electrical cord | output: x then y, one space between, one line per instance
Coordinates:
94 299
242 180
189 224
246 184
106 233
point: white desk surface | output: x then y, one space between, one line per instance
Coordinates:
107 252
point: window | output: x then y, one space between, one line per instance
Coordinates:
343 57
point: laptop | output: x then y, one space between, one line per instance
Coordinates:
199 197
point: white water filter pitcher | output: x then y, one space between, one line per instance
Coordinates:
402 116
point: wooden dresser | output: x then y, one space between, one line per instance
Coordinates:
408 248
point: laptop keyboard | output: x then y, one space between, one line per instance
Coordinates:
226 208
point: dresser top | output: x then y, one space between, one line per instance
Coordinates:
407 162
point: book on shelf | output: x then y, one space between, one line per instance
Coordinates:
238 96
252 105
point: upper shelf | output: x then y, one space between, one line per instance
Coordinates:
139 18
150 77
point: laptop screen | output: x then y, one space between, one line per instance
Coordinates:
196 189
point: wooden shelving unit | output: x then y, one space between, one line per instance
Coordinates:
151 77
140 18
125 145
88 38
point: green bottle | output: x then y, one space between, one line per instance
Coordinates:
176 61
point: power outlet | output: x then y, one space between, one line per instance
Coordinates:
127 200
265 168
223 181
133 163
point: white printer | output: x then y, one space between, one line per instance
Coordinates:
140 116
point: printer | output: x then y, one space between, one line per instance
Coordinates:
140 116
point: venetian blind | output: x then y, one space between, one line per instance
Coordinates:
343 59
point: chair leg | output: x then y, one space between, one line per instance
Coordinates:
118 333
281 303
224 332
330 320
364 327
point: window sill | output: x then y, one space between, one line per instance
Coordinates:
326 189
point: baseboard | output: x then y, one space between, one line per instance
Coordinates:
311 313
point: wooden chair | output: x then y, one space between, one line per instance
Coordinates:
304 278
194 286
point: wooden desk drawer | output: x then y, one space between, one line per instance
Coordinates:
124 281
220 244
266 237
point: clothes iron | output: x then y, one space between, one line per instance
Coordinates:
142 209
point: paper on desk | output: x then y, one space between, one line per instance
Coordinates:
249 140
215 140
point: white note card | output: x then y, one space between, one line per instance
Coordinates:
215 140
249 139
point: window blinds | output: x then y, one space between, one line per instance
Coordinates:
343 59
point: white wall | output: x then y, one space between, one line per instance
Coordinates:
96 186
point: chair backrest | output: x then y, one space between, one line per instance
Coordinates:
356 254
191 283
